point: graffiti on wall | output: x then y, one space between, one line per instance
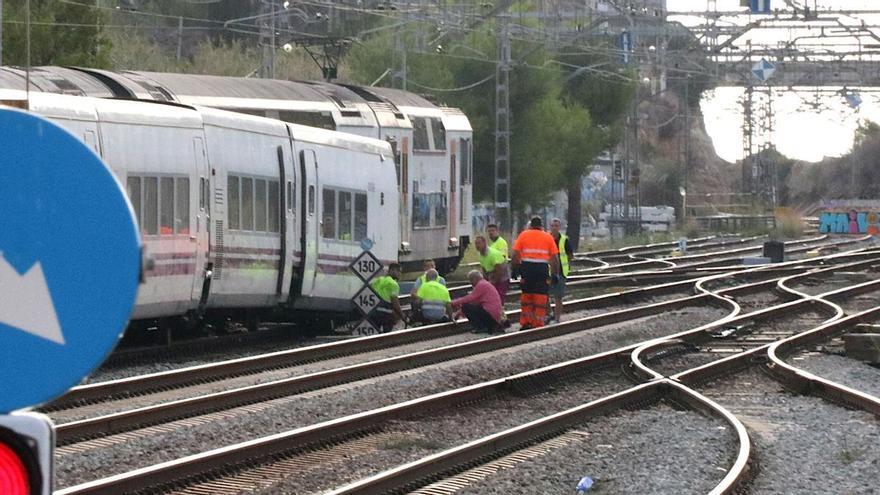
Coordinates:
849 222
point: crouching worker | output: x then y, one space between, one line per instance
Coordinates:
482 306
436 305
388 312
415 301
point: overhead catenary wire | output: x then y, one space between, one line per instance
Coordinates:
453 90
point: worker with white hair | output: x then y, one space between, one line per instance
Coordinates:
482 306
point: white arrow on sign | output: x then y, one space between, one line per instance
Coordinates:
25 302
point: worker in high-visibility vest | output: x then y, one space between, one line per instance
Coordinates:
497 242
415 302
557 288
536 254
436 303
388 312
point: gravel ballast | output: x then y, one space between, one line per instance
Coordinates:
91 410
843 370
424 436
338 401
802 445
653 451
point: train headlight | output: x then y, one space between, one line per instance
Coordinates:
404 248
453 243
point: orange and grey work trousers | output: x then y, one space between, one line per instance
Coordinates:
535 285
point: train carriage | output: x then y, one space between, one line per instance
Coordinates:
430 143
237 212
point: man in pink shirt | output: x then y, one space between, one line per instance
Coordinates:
482 306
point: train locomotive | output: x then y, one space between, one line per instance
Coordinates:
432 145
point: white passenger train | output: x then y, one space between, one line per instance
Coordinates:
239 214
432 144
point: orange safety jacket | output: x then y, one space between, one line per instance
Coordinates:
535 246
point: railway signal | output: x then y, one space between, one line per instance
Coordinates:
27 443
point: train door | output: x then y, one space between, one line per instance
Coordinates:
453 232
291 242
405 225
309 219
201 237
282 224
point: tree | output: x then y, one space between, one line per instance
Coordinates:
61 34
605 90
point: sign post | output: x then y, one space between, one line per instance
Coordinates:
70 262
366 266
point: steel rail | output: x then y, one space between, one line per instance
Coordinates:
145 416
673 245
241 366
805 382
309 436
102 391
725 255
646 372
195 374
405 477
456 459
729 364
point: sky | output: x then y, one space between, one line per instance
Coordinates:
809 125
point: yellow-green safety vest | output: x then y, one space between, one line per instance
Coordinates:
563 256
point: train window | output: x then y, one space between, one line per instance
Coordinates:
465 153
181 207
360 216
328 213
134 194
247 203
420 134
311 200
260 225
290 195
234 203
438 201
151 205
404 176
421 215
462 215
438 132
274 207
166 206
203 189
345 214
323 120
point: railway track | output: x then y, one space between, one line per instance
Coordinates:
636 273
303 437
248 365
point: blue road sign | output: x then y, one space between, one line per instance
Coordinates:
626 46
69 260
366 244
760 6
763 70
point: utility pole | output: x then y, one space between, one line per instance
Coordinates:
687 144
398 75
503 210
267 38
179 36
